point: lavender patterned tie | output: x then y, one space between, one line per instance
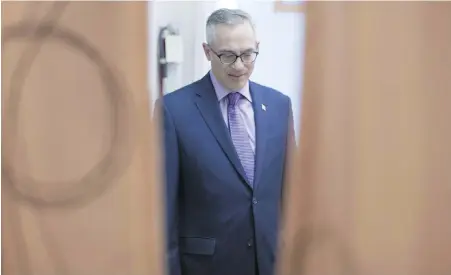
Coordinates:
239 136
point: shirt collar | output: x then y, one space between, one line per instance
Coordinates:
222 92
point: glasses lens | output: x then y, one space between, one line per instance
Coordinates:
248 57
228 58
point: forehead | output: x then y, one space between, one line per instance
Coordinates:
238 37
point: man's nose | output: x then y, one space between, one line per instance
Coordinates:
238 63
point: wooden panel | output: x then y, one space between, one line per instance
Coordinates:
80 192
371 191
289 6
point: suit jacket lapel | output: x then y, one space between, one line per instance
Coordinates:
261 119
207 103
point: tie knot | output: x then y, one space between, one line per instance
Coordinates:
233 98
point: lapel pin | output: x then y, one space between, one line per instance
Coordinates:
263 107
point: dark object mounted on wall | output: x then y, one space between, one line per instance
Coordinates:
169 51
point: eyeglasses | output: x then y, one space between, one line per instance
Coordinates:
230 58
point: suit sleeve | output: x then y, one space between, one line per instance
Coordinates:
172 182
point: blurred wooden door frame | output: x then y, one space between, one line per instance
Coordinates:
370 188
289 6
116 232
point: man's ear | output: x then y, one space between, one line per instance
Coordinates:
207 51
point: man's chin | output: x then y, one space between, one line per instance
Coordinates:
237 78
237 83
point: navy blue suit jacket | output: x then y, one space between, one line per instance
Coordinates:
216 223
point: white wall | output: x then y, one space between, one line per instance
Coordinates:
179 14
281 36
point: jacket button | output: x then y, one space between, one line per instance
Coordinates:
250 243
254 201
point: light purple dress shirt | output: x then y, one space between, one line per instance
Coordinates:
244 105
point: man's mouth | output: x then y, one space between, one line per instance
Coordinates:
237 76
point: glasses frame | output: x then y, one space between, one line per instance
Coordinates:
236 57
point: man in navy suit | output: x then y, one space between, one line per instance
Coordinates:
226 141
